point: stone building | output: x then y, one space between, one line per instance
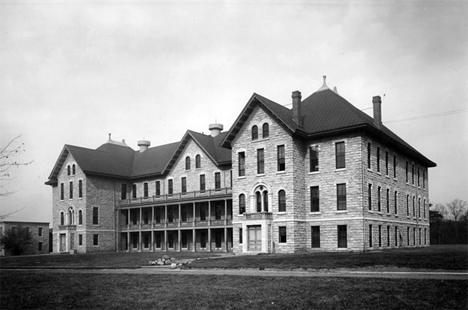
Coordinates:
39 233
321 176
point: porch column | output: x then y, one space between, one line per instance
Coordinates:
165 219
140 243
165 240
128 219
141 217
225 239
180 215
193 218
209 213
194 239
225 212
152 229
209 239
179 237
128 241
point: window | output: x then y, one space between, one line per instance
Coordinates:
39 231
240 236
387 201
198 161
241 204
281 158
407 205
202 183
95 215
414 236
134 191
218 211
314 199
73 169
80 239
183 211
370 236
340 155
369 196
406 170
407 235
158 188
412 174
265 201
170 188
254 132
187 163
341 196
145 190
265 130
282 201
39 246
342 236
282 234
424 178
183 182
394 166
396 236
217 180
378 199
386 162
419 207
68 170
71 190
315 236
62 218
260 161
369 155
395 202
95 239
414 206
261 199
378 159
62 192
123 191
258 199
418 177
241 159
314 160
202 212
388 235
80 217
380 236
424 208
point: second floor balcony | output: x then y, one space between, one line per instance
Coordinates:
176 197
258 216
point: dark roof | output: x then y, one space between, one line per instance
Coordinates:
323 113
121 161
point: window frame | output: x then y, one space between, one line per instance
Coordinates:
282 234
265 130
261 161
183 185
70 193
187 163
315 199
281 157
170 186
342 236
341 197
202 182
315 236
241 204
340 155
197 161
282 200
241 164
313 159
217 176
95 215
254 131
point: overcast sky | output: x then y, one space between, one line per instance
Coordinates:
74 71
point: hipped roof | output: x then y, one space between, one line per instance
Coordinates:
121 161
323 113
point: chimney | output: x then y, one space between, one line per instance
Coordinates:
297 116
144 145
215 129
377 102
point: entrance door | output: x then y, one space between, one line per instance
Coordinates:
63 243
255 238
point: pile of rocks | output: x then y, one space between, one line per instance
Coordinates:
165 260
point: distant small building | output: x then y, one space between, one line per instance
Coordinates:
39 232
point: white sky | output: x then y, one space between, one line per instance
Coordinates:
74 71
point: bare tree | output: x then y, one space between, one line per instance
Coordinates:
440 208
8 161
456 208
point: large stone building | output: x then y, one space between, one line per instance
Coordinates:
320 176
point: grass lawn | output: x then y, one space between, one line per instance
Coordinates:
48 290
447 257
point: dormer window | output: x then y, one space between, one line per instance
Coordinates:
254 132
265 130
68 170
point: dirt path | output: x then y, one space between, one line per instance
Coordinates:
437 275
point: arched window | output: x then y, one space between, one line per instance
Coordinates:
71 216
68 170
261 199
198 161
265 130
73 169
282 201
254 132
241 204
187 163
80 217
62 218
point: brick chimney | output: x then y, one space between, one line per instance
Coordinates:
296 103
144 145
377 102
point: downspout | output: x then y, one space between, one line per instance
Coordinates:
362 202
